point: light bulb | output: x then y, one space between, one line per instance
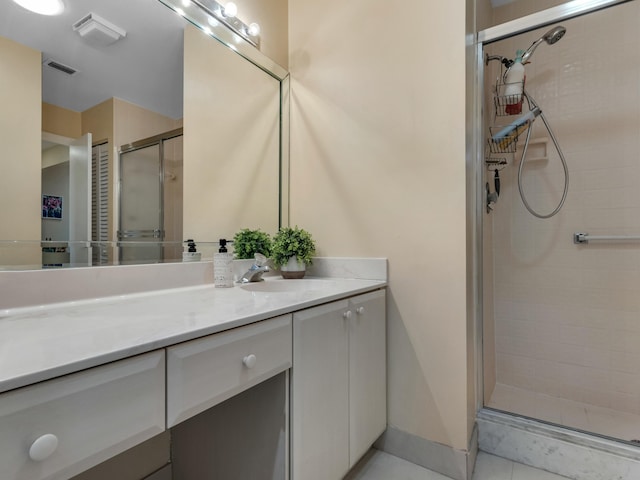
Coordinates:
254 29
43 7
186 3
230 10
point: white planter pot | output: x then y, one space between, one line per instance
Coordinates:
293 269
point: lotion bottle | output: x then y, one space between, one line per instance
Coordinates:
222 266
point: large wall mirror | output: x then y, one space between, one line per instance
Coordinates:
116 150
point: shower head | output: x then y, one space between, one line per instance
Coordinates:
551 37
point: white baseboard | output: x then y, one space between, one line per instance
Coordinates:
456 464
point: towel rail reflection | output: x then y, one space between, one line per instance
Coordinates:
583 238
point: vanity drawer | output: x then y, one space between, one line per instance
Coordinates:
207 371
90 415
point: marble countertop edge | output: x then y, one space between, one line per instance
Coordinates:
39 344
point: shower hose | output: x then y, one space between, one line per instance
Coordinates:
532 105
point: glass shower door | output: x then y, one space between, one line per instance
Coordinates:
141 217
561 295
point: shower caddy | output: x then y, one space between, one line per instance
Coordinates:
504 105
503 139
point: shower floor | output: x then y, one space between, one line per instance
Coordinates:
568 413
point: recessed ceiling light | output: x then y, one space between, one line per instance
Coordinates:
43 7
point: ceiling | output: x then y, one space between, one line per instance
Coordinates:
144 67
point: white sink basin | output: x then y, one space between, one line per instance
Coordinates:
286 286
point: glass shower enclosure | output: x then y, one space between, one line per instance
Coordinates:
561 295
151 199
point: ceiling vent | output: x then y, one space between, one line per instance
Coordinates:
98 31
61 67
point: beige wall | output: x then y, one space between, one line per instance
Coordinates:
20 126
230 144
98 120
378 169
61 121
566 316
132 122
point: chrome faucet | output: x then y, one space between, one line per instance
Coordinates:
254 274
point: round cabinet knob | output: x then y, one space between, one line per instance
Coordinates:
347 314
360 310
249 361
43 447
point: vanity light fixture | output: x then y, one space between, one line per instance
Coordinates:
230 10
43 7
219 14
254 29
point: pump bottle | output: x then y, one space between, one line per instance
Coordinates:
222 266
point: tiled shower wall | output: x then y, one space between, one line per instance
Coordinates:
567 317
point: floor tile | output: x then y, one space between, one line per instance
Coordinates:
490 467
383 466
379 465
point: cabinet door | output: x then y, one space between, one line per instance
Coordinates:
367 372
320 422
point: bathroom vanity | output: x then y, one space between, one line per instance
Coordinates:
84 380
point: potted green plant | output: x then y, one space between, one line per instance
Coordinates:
292 251
246 243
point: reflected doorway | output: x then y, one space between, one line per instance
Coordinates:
66 200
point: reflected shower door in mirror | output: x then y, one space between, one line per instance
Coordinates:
227 158
151 199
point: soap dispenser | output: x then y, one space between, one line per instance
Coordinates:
222 266
191 255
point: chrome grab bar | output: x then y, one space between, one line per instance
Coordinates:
583 238
157 233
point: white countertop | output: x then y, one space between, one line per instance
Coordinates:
43 342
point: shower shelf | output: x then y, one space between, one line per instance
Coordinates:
538 150
506 105
495 161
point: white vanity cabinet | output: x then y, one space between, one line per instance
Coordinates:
338 385
61 427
